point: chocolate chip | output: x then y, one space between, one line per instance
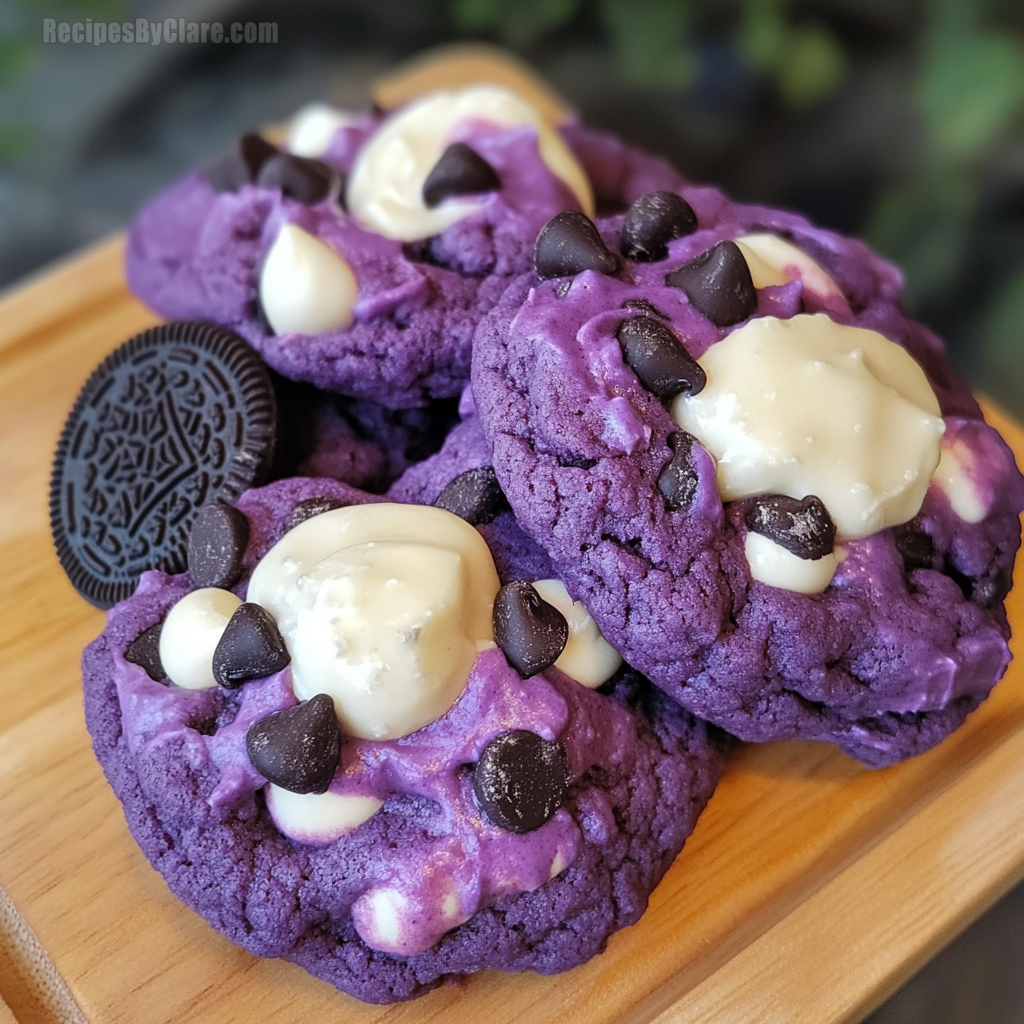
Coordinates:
520 780
311 507
531 632
570 243
300 178
802 526
475 496
678 478
298 748
643 306
990 590
915 547
216 544
652 222
718 284
144 651
658 358
240 164
178 417
461 171
250 648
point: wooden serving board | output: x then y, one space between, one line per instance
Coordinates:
810 889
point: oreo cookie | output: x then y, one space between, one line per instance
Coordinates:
178 417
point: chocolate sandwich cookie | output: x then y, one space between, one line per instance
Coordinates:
373 288
178 417
764 481
456 816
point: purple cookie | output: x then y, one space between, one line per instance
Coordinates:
352 302
619 777
620 407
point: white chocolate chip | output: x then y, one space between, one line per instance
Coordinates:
587 657
383 607
808 406
305 286
955 478
771 563
385 188
318 817
772 261
313 127
190 635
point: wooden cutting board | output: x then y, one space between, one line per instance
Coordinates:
810 889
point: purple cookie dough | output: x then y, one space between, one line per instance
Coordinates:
190 797
889 659
194 253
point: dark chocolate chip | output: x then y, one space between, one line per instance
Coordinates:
299 178
800 525
658 358
249 648
475 496
144 651
178 417
311 507
216 544
570 243
915 547
652 222
988 591
643 306
531 632
461 171
718 284
520 780
678 478
298 748
240 164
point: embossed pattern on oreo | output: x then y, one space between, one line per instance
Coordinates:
178 417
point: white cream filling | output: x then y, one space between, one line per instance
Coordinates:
773 261
385 188
808 406
384 607
314 126
318 817
771 563
305 286
955 478
587 657
190 635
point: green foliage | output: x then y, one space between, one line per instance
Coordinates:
650 41
1002 365
970 90
518 24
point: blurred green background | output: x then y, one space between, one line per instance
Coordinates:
898 120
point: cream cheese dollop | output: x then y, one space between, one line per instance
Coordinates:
314 126
385 188
808 406
383 607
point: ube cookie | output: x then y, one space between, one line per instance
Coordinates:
495 820
365 269
763 480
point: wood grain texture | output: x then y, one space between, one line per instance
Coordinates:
810 887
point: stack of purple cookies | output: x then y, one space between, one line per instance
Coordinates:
487 481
